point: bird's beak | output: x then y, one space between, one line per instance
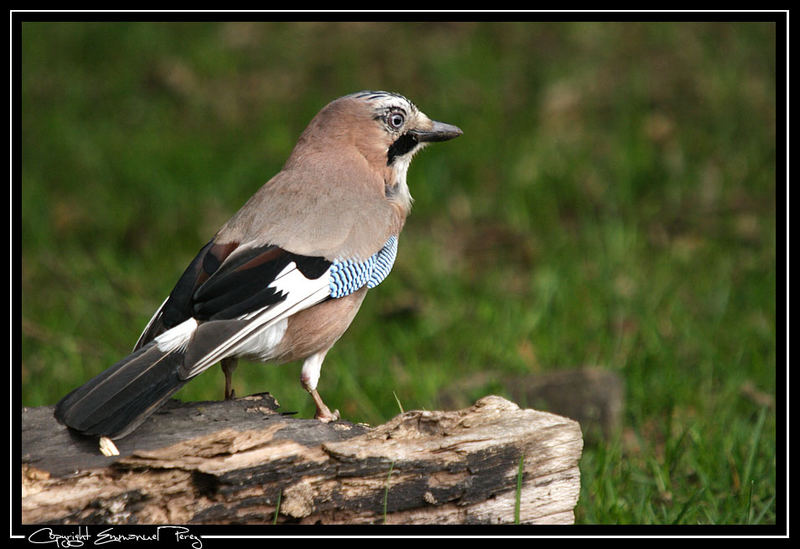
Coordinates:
439 131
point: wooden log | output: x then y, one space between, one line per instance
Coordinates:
235 462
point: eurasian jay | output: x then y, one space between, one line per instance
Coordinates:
283 279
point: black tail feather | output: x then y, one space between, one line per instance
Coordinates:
119 399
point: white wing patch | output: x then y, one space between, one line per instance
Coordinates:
177 337
300 293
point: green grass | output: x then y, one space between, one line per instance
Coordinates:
277 508
386 491
518 495
611 203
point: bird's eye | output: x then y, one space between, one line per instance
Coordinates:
396 120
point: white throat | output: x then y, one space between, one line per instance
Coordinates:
399 169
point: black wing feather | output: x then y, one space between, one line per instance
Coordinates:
221 284
225 282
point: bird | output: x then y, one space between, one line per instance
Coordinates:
283 279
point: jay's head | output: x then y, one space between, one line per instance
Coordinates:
382 128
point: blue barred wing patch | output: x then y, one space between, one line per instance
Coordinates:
347 276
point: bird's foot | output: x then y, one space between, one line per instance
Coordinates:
324 413
326 416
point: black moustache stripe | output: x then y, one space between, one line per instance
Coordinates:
402 145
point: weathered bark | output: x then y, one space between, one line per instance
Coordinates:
236 461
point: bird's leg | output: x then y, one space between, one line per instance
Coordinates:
228 366
323 413
309 376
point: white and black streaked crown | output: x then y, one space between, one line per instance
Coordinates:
384 101
382 97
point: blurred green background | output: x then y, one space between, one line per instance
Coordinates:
611 204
